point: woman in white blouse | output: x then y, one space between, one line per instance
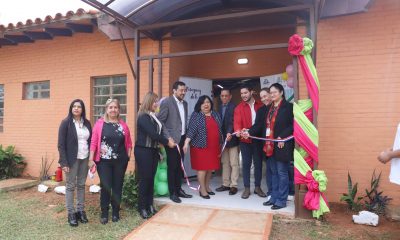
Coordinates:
73 145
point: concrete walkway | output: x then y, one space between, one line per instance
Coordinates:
199 223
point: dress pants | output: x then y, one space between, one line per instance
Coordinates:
230 166
76 178
251 152
147 161
175 173
111 173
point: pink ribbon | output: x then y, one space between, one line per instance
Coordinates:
259 138
311 199
304 141
184 172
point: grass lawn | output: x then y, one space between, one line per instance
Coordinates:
31 215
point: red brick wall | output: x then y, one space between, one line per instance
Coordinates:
358 63
69 63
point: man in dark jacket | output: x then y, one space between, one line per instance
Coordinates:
230 155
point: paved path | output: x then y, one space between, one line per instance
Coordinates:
179 222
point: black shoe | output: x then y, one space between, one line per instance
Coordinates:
233 191
103 220
175 198
182 194
144 214
104 216
152 210
222 188
115 218
205 197
211 193
81 216
268 203
72 220
275 207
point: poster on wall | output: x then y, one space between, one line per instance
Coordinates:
196 87
267 81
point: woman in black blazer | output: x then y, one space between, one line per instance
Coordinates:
73 146
277 124
149 136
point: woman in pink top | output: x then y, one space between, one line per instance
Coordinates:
110 149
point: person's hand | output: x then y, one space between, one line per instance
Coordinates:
91 163
65 169
228 137
245 133
280 144
171 143
384 157
238 134
185 147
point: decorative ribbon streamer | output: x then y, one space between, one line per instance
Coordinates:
305 133
184 172
259 138
316 182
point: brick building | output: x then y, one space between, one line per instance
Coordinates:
357 58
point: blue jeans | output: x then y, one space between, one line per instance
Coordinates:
291 179
251 152
280 182
269 175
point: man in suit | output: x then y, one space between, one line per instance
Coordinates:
174 114
230 155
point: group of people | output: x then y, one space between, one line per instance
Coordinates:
107 148
216 137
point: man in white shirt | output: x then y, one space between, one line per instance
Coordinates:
174 116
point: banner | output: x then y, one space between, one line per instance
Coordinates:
267 81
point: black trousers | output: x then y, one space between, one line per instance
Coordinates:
111 175
175 173
147 161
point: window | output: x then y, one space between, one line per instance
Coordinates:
37 90
1 107
105 88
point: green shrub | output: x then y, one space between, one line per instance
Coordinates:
376 202
130 192
350 198
11 163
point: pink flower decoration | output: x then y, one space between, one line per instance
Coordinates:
295 45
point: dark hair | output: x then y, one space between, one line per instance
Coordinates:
280 89
197 107
247 86
265 89
227 89
177 84
83 115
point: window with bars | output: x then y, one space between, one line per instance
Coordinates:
1 108
37 90
105 88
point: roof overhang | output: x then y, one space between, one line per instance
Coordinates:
139 13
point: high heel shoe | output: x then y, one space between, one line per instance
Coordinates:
211 193
205 196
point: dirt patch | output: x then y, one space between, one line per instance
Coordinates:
337 224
